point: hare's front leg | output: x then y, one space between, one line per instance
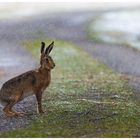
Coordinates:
39 101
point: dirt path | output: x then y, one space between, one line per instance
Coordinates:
69 26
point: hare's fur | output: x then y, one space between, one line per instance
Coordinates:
29 83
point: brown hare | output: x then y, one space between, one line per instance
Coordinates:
29 83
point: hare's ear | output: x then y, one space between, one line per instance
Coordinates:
49 48
42 47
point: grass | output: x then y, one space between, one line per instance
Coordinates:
85 99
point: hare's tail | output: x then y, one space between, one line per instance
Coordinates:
2 103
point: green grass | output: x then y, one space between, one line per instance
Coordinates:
85 99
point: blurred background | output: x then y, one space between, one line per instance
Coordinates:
27 9
108 31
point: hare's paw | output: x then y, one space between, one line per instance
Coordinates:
19 114
10 114
41 112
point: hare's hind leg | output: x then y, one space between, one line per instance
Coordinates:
18 98
8 108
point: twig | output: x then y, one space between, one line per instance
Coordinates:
102 118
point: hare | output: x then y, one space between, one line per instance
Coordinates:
28 83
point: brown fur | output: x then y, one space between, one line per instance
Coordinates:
29 83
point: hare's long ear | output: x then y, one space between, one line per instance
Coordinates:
49 48
42 47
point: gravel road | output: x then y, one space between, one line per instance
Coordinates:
14 59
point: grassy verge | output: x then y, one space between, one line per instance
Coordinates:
85 99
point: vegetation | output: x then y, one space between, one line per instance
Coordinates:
85 99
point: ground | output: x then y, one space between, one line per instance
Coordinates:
116 104
85 99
